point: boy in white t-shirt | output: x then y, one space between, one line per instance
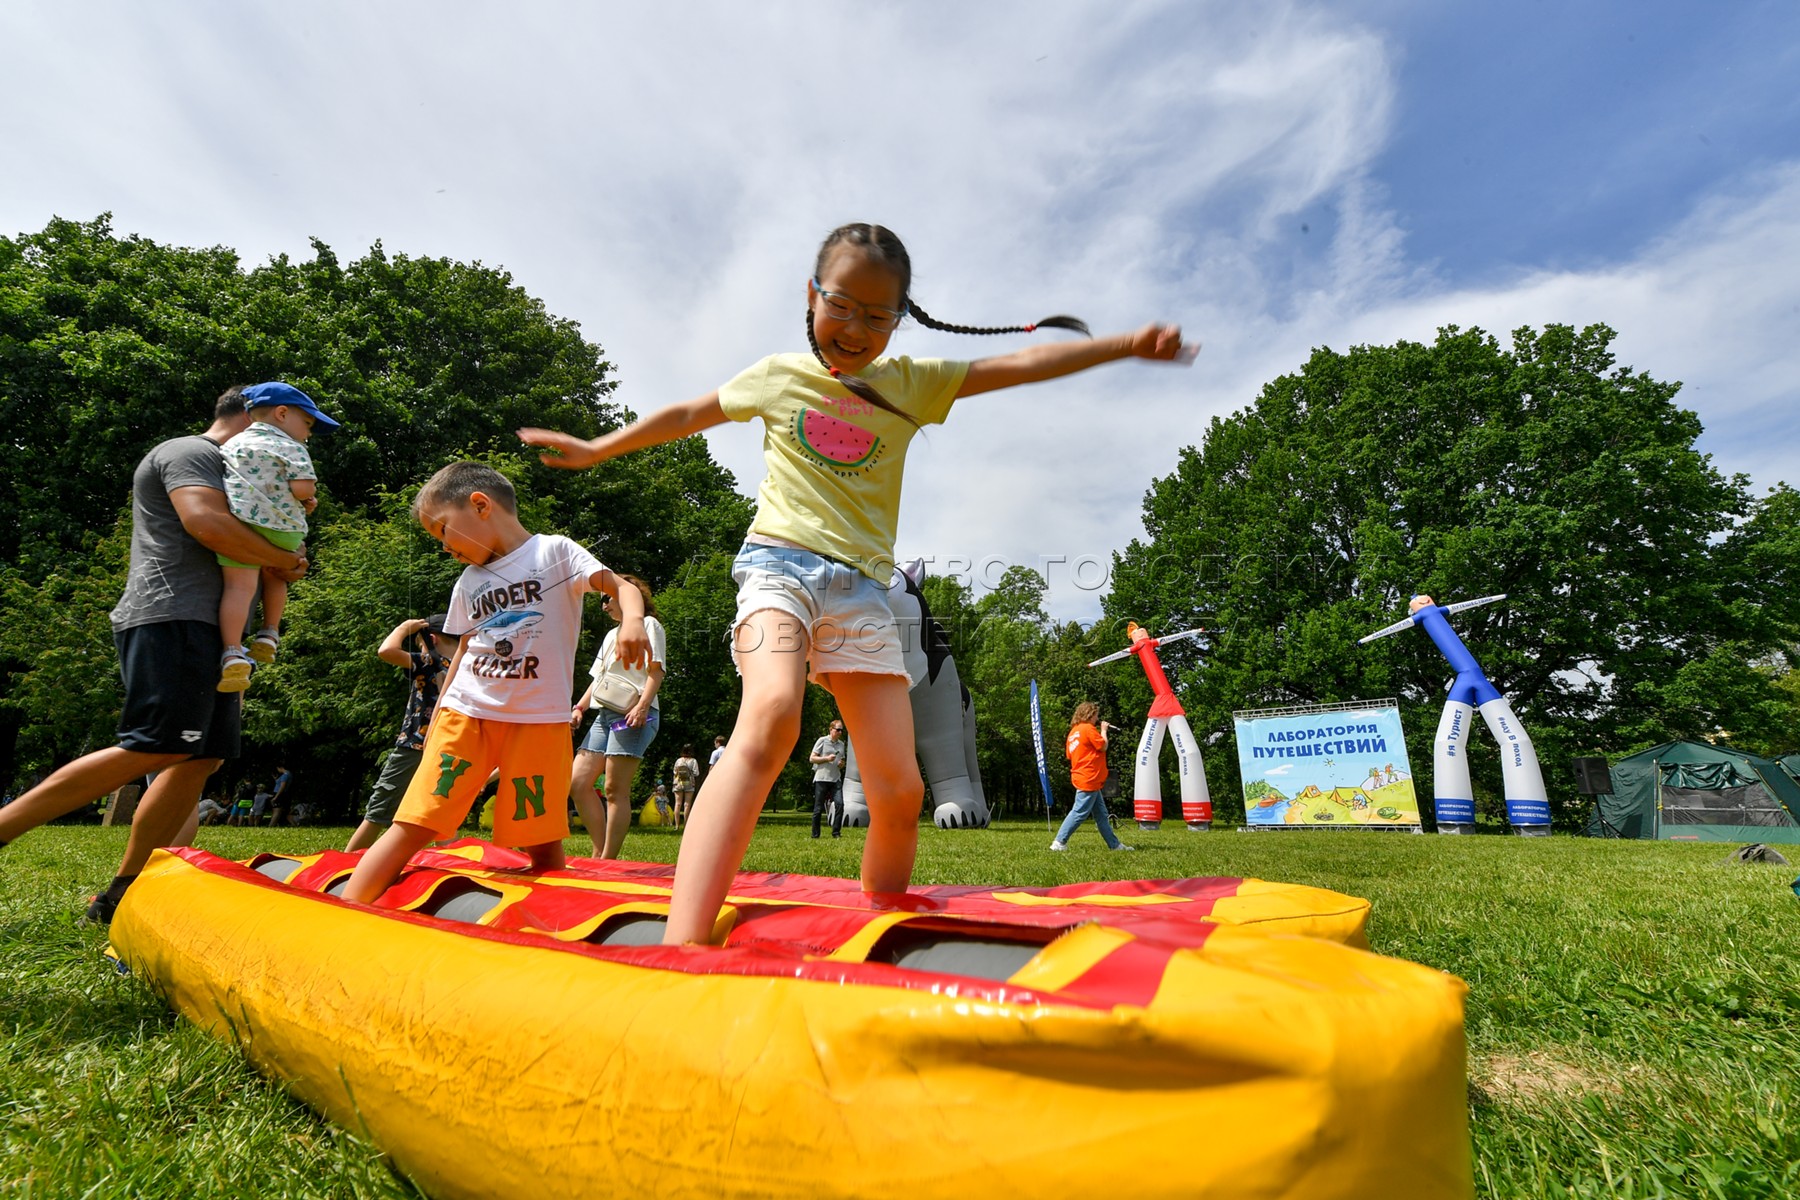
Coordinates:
516 611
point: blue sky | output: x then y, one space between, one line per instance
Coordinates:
1569 134
1274 177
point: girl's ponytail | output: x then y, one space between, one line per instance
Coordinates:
1057 322
883 245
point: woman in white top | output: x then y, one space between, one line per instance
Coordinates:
619 735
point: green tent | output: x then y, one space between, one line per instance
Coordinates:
1692 791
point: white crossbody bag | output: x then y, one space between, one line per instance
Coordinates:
615 692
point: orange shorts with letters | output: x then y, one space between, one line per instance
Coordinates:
532 806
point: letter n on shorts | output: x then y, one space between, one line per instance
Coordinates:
528 793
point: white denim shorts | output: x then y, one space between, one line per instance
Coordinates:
848 624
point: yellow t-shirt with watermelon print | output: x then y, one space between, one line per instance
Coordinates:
834 461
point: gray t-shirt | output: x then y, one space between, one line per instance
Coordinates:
833 771
172 577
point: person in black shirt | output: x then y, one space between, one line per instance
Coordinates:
424 665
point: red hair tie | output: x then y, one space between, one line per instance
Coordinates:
834 371
1031 328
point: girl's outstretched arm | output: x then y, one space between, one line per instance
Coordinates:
1054 359
665 425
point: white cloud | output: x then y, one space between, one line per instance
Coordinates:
663 175
1710 304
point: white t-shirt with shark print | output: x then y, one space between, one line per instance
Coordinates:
522 617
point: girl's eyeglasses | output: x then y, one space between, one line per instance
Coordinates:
842 308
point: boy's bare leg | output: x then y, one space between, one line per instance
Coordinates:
235 601
365 836
546 856
274 599
384 861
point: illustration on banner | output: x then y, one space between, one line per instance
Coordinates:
1338 768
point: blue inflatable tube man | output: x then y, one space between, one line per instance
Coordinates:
1527 804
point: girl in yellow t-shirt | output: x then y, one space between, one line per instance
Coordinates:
812 576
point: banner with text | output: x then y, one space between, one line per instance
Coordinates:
1037 745
1331 768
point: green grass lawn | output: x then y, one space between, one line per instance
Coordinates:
1633 1017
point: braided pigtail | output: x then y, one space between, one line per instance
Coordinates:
884 245
1057 322
862 389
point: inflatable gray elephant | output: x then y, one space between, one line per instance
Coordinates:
943 716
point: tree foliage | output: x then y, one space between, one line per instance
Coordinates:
1641 580
62 699
1003 642
1644 584
111 344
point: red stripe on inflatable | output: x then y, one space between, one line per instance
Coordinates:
804 929
755 882
750 961
554 908
1129 975
314 876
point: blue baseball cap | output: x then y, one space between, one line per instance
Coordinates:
265 395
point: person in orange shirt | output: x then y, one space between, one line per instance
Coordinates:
1086 749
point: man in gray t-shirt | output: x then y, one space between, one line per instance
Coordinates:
175 722
173 577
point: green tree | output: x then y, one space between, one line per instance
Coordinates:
952 606
1006 641
109 345
64 694
699 696
1001 643
1641 580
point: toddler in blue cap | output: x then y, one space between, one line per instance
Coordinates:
271 486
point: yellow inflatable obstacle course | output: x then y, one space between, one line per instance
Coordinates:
510 1035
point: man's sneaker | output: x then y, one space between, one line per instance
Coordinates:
234 671
1059 845
100 910
1123 846
263 646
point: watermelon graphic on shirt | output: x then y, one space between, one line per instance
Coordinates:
837 442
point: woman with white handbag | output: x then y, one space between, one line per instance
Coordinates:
625 723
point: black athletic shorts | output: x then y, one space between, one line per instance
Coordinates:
173 704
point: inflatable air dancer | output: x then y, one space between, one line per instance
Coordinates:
1166 714
1527 805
